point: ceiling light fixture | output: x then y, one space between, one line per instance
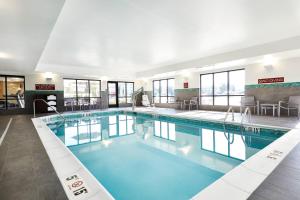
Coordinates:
269 60
48 76
4 55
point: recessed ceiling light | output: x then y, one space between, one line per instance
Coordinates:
4 55
48 75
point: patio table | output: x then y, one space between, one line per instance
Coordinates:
266 106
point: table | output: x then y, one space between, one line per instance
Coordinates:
265 106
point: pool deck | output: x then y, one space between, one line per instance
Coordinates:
25 170
283 182
23 159
285 122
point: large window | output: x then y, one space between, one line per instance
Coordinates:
227 144
165 130
81 132
222 88
120 125
78 92
12 92
163 91
125 90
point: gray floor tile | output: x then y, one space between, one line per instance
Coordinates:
25 169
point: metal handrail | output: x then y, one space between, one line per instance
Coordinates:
49 106
227 113
247 113
133 96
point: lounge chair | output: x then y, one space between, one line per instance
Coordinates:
145 101
249 101
194 102
292 104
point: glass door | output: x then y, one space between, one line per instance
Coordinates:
112 87
2 93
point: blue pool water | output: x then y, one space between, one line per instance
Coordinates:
140 156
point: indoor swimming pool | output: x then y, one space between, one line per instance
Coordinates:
145 156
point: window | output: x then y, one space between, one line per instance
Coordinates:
227 144
163 91
125 90
82 132
78 92
12 92
120 125
222 88
129 91
165 130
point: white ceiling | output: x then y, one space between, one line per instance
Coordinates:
25 26
124 38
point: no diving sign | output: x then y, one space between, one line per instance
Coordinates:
76 186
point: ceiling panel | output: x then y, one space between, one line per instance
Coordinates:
25 28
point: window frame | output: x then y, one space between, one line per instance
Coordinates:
229 145
76 92
159 96
160 131
6 97
126 95
228 95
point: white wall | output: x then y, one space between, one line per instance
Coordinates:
40 78
289 69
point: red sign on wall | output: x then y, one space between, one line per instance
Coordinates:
271 80
185 85
44 86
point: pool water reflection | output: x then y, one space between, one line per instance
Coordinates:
145 157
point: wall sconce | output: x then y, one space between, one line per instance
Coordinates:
49 76
269 62
269 67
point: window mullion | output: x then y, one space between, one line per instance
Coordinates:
213 82
228 82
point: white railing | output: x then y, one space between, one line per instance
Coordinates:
42 100
247 114
230 110
134 95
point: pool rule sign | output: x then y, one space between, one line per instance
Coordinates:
76 186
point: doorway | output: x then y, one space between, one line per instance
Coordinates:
112 89
120 93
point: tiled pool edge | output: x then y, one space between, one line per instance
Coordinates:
67 165
253 171
243 180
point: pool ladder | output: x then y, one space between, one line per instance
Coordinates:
42 100
134 96
230 110
246 115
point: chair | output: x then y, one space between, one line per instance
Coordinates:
194 102
292 104
94 103
178 103
69 104
185 104
145 101
249 101
83 103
